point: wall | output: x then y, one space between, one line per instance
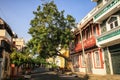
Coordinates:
3 33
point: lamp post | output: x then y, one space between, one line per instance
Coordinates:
83 50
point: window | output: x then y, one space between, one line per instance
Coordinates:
5 45
83 34
96 30
88 32
111 25
97 59
116 23
112 22
76 61
77 39
83 61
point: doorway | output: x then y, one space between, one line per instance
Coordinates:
89 63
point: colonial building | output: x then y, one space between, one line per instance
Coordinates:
97 40
6 35
108 17
19 43
88 57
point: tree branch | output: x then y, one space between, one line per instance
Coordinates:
61 55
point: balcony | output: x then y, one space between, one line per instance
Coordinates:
6 46
4 34
89 43
109 38
111 7
88 17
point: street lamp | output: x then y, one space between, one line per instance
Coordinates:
83 50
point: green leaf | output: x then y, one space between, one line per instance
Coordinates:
49 28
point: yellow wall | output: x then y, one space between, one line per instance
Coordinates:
19 42
60 61
65 52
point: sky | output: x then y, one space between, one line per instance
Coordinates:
18 13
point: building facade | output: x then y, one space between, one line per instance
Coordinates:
19 43
6 35
97 40
8 41
108 17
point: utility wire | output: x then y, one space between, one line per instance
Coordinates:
4 17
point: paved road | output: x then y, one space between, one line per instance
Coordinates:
45 74
52 76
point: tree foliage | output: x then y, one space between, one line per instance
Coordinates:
18 58
50 28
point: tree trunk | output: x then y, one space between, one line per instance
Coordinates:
71 66
69 61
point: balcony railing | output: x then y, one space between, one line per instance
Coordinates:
89 43
4 34
109 36
106 10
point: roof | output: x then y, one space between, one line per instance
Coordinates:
4 25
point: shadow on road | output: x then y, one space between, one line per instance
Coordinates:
86 77
45 76
53 76
74 77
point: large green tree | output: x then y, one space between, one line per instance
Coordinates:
49 29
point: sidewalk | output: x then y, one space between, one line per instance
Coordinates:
95 77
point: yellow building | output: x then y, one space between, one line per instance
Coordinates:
19 43
60 61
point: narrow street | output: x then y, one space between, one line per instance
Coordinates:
52 76
60 40
43 74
